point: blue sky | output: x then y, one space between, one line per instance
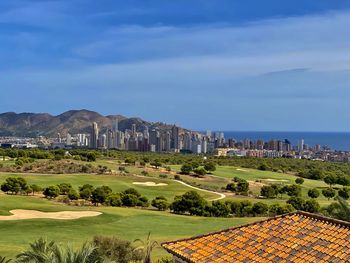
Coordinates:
222 65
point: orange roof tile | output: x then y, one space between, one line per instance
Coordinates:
294 237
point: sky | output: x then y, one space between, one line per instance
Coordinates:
237 65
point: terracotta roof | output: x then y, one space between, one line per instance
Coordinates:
294 237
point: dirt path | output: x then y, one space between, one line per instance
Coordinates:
222 196
20 214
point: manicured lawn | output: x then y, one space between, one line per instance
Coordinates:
125 223
117 183
265 177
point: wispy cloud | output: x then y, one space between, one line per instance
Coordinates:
253 71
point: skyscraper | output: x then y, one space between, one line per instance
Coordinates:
94 136
301 145
115 125
175 144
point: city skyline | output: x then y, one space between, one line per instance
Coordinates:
204 65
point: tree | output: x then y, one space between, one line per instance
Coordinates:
91 157
299 180
129 200
146 248
239 208
269 191
156 164
242 186
160 202
114 200
42 251
64 188
218 209
51 192
297 202
35 188
186 168
331 179
344 193
210 166
14 185
132 191
190 202
100 194
343 180
313 193
328 193
73 194
260 208
311 206
116 250
231 187
142 201
85 191
277 209
342 210
200 171
292 190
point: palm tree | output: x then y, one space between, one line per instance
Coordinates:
41 251
146 248
4 260
85 255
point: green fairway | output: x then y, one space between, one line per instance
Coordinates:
253 176
125 223
117 183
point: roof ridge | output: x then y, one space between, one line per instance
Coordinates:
324 218
310 215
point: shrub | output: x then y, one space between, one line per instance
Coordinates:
260 208
299 180
344 193
73 194
186 168
114 200
161 203
313 193
328 193
51 192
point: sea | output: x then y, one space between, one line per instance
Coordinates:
335 140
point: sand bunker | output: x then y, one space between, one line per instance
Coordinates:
275 180
20 214
149 184
242 170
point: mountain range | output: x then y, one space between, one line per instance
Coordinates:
73 122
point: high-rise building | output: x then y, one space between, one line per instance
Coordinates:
167 143
94 136
260 145
111 140
103 141
68 139
175 138
115 125
133 129
301 145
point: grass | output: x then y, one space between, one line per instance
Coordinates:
117 183
265 177
126 223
